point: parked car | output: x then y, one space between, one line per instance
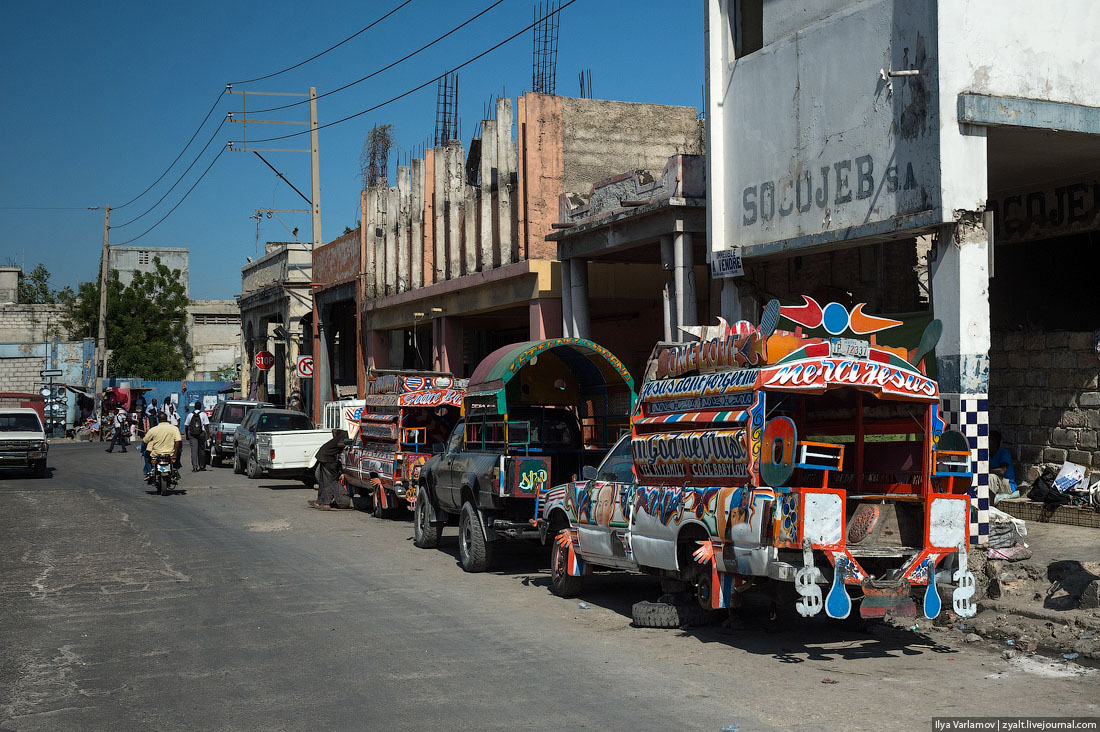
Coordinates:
535 414
23 440
223 426
281 441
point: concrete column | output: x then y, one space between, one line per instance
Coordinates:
378 225
546 318
447 346
404 193
377 354
960 300
455 170
566 299
488 171
392 210
578 287
732 310
429 217
322 363
416 212
369 244
668 293
684 273
506 166
469 225
439 244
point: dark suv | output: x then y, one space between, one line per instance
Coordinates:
223 426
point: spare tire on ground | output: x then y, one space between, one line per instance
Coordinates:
670 615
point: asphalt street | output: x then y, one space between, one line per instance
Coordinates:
232 606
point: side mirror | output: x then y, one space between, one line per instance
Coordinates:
588 472
437 448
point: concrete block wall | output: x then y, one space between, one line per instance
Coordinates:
28 323
20 374
1044 396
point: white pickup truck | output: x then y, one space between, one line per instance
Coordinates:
280 442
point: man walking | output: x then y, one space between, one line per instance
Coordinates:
119 424
195 428
330 491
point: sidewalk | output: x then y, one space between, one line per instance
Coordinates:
1049 603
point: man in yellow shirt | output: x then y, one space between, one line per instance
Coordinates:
163 439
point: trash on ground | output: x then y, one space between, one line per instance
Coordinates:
827 680
584 606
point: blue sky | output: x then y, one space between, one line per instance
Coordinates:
100 97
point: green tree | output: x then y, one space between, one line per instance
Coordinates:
146 322
34 287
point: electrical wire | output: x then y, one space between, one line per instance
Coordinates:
425 84
158 180
373 74
48 208
330 48
182 175
185 195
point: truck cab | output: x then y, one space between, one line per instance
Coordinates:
535 413
817 467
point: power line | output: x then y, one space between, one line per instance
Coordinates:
373 74
158 180
48 208
185 195
429 82
182 175
330 48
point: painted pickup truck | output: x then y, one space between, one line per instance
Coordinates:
535 414
402 416
815 468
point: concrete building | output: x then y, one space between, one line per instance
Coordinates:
640 236
453 261
841 131
276 316
127 260
213 337
9 284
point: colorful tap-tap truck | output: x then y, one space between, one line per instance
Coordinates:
816 468
404 413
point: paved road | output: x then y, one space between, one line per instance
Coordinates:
234 607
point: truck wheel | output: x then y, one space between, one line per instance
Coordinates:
425 532
254 471
562 583
667 615
376 509
39 468
216 459
474 551
238 465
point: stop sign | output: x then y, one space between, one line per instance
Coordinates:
264 360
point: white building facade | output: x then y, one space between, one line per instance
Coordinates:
841 124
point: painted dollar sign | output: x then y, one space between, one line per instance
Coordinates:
805 582
960 598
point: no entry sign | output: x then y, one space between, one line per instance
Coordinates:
305 367
264 360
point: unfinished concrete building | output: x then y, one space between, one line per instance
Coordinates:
454 259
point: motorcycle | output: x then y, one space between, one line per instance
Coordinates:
164 474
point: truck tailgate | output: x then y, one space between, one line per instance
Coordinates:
289 450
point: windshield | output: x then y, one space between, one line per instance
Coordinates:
20 423
233 413
283 422
618 466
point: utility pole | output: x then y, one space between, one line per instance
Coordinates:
315 166
101 339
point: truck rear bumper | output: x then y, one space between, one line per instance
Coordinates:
514 529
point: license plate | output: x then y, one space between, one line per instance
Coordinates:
162 468
849 348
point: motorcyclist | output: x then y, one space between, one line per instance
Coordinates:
163 439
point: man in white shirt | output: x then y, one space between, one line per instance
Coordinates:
194 426
173 416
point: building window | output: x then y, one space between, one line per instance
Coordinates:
144 258
746 26
207 319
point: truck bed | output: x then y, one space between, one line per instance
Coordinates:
292 450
